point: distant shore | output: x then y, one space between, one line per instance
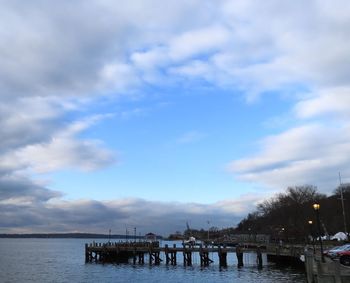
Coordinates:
72 235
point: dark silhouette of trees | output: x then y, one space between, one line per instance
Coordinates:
333 219
286 216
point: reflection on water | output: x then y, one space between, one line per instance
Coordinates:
62 260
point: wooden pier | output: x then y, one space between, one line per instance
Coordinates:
329 271
138 252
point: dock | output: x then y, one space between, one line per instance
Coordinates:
327 271
317 270
151 252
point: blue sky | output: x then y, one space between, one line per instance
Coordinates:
155 114
174 147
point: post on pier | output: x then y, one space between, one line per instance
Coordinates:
166 252
239 254
141 258
157 258
259 257
134 256
150 256
187 254
222 257
173 255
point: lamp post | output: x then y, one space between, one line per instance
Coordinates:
316 207
311 234
310 229
343 207
208 230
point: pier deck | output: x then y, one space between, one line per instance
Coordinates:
329 271
138 251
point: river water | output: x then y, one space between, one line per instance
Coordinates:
63 260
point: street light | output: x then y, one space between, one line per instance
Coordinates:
310 227
343 207
316 207
208 230
311 234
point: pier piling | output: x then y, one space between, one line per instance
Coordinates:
259 257
187 254
222 257
141 258
137 251
239 255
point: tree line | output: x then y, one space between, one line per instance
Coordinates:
290 215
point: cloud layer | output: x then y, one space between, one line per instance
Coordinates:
25 209
59 58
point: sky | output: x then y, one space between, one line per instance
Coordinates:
153 114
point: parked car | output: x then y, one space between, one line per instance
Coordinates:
344 259
341 252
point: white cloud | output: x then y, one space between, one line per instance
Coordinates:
63 153
310 154
190 137
118 78
335 101
262 46
308 50
27 120
150 59
198 42
64 150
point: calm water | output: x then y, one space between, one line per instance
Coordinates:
62 260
